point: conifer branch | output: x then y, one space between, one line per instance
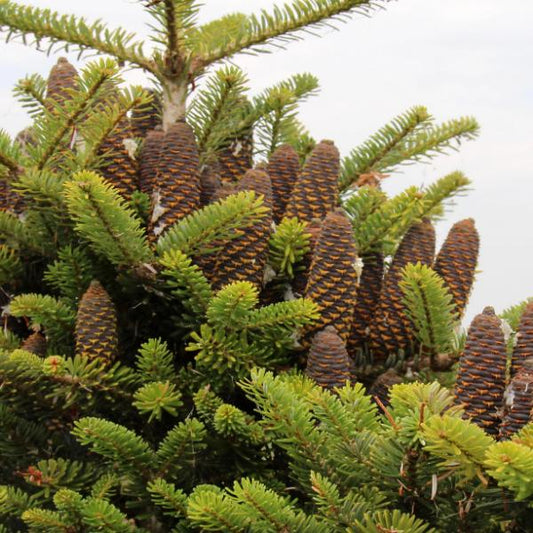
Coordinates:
31 92
65 31
262 32
10 156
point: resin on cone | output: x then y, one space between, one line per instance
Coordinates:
177 191
120 167
63 77
368 291
149 161
390 328
315 192
457 260
518 401
332 283
328 363
283 167
35 343
147 117
96 325
524 340
244 258
480 381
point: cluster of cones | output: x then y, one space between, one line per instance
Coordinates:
496 395
360 301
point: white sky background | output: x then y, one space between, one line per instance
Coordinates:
457 57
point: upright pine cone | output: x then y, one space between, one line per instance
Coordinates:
301 277
524 340
63 77
315 192
332 280
148 117
96 325
177 192
382 385
368 292
244 258
328 363
456 261
149 161
283 168
35 343
390 328
119 164
519 401
209 183
481 376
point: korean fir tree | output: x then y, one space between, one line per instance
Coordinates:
173 259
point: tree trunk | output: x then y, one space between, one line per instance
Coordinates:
174 101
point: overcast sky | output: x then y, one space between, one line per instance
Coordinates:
457 57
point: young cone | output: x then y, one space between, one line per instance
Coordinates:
120 168
148 117
481 376
149 161
519 401
328 363
524 340
390 329
35 343
456 261
315 192
283 168
368 292
177 192
244 258
332 279
63 77
96 325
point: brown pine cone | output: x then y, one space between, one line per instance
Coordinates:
177 192
315 192
35 343
524 340
457 260
4 194
332 281
301 276
368 292
96 325
148 117
209 183
390 329
283 168
244 258
119 166
149 161
328 363
481 375
62 77
382 385
519 401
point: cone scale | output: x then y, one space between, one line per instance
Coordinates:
480 381
62 77
149 161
